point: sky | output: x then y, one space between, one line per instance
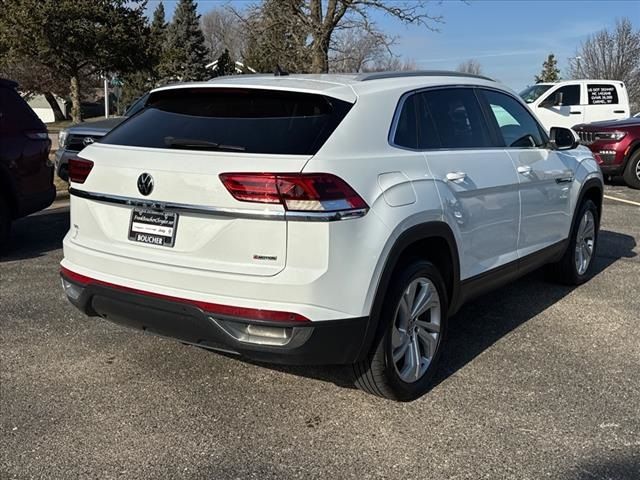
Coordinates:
510 38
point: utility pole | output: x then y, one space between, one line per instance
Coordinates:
106 95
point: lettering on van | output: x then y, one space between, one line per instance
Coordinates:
602 94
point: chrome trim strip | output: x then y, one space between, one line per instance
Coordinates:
220 212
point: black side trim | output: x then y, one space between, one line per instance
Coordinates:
476 286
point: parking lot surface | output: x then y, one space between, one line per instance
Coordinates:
537 381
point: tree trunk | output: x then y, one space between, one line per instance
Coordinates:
320 54
76 113
53 103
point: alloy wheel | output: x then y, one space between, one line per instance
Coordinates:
585 241
416 330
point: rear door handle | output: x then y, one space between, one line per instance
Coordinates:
524 169
575 113
456 176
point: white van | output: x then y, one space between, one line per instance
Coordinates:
565 104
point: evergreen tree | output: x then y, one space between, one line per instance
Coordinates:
225 65
550 71
147 77
75 39
185 54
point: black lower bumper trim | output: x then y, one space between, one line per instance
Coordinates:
327 342
612 169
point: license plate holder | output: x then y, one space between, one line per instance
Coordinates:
153 227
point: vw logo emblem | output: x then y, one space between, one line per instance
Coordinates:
145 184
87 141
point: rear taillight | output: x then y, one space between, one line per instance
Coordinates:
320 192
79 169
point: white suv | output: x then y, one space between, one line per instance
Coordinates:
335 219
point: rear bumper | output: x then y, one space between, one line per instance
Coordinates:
282 342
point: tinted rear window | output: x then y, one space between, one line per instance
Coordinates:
249 120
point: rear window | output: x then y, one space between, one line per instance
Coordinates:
237 120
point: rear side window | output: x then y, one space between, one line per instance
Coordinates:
602 94
407 128
416 128
239 120
15 114
454 119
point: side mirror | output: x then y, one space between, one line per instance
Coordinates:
558 99
561 138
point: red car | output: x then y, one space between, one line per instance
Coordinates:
26 175
616 146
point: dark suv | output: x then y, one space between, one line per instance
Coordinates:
616 146
26 176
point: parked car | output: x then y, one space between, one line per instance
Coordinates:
616 145
565 104
73 139
332 219
26 176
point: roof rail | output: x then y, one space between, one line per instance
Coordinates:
364 77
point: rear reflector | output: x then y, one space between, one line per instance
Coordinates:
320 192
211 308
79 169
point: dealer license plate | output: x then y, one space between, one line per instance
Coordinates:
155 228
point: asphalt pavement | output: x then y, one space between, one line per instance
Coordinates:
537 381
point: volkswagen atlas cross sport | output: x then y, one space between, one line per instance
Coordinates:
325 219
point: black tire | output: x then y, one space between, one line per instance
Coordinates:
378 374
632 171
566 271
5 225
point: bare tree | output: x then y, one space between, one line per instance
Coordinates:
323 19
355 50
611 55
312 26
223 30
470 66
391 63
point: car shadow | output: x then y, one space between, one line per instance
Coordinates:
37 234
484 321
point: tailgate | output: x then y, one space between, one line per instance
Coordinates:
213 231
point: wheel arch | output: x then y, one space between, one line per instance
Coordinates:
632 149
433 241
593 190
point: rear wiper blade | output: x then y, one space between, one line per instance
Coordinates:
196 144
